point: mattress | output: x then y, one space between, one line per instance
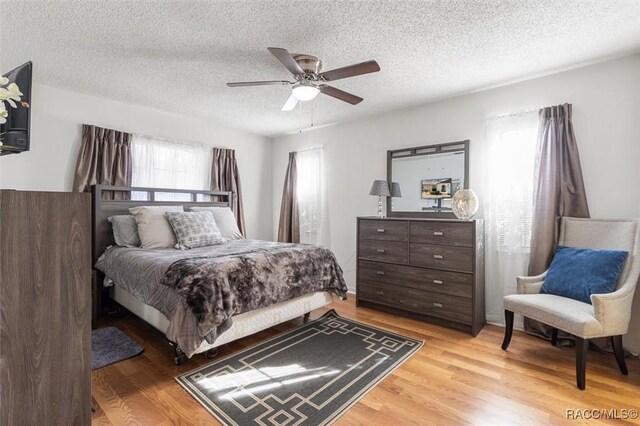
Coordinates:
243 324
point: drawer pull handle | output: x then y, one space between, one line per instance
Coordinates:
380 293
380 230
380 250
380 272
437 305
437 281
437 233
437 256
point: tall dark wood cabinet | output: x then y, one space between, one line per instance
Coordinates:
428 269
45 308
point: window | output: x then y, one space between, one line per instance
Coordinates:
159 163
512 176
309 191
508 200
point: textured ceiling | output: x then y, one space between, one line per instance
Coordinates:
177 56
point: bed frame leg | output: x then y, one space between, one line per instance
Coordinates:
179 357
306 316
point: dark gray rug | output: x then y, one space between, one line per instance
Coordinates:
110 345
307 376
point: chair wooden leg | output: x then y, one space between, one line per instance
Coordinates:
618 351
581 361
554 336
508 329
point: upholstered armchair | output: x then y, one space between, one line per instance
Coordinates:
608 315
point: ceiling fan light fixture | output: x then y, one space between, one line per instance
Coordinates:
305 92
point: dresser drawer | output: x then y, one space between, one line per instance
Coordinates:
445 257
439 305
446 233
386 251
453 283
384 230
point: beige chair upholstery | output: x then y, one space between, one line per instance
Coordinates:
608 314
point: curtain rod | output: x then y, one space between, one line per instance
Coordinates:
175 141
513 114
311 148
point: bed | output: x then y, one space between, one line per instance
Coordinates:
158 285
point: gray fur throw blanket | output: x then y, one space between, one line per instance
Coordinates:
216 288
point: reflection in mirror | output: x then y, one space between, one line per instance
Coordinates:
428 180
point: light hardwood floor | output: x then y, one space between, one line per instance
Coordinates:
453 379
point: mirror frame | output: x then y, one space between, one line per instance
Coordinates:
428 150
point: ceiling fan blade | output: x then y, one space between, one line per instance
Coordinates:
290 104
340 94
287 60
350 71
258 83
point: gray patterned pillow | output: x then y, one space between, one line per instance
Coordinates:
195 229
125 230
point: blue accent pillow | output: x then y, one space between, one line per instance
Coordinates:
577 273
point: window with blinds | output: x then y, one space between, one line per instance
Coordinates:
309 192
159 163
512 176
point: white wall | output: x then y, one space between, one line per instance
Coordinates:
606 117
56 120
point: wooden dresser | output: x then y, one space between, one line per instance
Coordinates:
427 269
45 300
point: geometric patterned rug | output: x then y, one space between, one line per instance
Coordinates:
310 375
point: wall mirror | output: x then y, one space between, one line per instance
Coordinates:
428 177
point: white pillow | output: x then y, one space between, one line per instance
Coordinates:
153 227
225 220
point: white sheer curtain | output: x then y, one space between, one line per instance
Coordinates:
159 163
311 196
511 143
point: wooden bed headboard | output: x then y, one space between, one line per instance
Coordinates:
101 209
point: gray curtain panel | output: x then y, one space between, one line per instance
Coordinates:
558 191
104 158
289 227
558 187
226 177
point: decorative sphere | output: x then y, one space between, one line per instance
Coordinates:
465 204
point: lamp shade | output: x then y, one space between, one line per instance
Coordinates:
395 190
380 188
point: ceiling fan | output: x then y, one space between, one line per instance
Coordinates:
309 81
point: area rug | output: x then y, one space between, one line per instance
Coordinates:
310 375
110 345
